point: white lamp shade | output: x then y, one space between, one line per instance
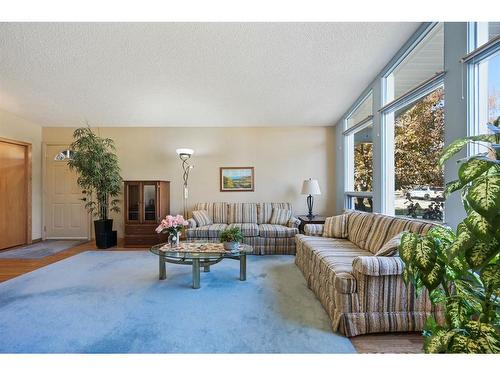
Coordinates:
310 187
185 151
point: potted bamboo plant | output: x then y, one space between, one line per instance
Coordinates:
96 165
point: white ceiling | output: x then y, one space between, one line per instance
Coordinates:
191 74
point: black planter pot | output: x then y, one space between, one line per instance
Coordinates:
105 236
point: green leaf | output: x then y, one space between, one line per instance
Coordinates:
481 253
484 195
472 169
425 254
441 234
433 277
452 187
481 338
478 225
407 247
456 312
463 242
460 143
491 278
439 342
452 149
437 296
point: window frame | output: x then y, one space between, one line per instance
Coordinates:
348 135
387 138
477 55
387 77
389 107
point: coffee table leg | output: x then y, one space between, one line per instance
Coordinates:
206 268
243 267
163 270
196 273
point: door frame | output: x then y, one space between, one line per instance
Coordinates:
28 185
45 145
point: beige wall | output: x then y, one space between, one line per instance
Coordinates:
282 157
19 129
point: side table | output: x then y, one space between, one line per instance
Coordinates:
304 219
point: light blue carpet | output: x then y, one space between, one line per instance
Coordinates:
113 302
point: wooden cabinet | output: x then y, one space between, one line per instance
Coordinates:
146 204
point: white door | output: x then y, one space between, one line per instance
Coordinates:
65 214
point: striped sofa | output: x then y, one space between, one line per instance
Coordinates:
363 293
253 220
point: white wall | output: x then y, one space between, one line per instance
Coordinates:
282 157
16 128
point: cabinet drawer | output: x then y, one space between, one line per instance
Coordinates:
141 229
145 241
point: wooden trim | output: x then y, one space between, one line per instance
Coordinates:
239 190
29 182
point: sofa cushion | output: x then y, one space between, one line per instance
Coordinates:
391 247
242 213
273 231
247 229
265 211
335 226
280 216
216 210
207 231
202 218
358 227
384 228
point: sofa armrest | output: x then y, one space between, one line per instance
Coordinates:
293 222
378 266
191 223
313 230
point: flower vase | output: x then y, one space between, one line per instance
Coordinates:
173 239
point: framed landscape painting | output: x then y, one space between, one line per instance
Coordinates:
236 179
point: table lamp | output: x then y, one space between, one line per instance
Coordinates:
310 187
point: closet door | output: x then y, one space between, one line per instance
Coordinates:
13 192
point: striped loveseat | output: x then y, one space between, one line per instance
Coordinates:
254 221
361 292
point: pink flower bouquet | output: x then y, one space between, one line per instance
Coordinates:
172 224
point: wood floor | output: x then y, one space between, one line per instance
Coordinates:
373 343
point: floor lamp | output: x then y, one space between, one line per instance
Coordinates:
185 154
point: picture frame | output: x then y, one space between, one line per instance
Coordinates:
237 179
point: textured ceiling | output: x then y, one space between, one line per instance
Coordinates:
191 74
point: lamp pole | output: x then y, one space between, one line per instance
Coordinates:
185 155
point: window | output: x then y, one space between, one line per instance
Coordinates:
484 78
359 156
418 143
362 111
413 131
484 32
424 61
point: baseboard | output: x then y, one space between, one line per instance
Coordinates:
36 240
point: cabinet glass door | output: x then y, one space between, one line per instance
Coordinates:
149 194
133 202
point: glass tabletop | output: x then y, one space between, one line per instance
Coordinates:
198 249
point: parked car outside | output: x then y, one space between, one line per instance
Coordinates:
427 192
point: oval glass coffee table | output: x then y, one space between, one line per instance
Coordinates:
199 254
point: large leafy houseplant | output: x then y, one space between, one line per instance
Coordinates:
95 162
461 269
